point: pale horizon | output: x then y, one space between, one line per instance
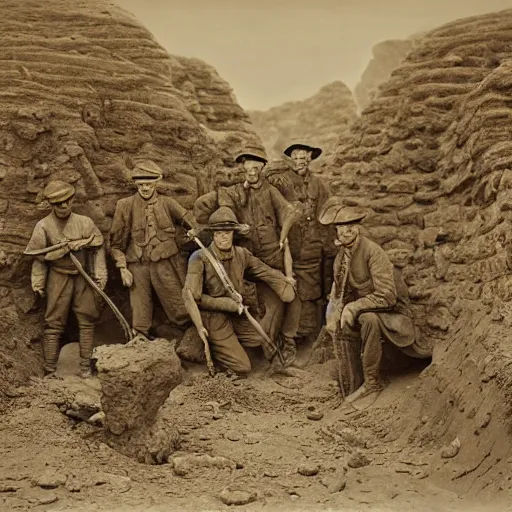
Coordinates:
273 52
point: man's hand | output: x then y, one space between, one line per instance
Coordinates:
192 233
40 292
203 333
76 245
126 277
348 317
292 281
101 282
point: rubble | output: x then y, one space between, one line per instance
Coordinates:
136 379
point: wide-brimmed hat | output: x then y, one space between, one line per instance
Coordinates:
299 143
224 219
58 191
252 152
146 170
334 212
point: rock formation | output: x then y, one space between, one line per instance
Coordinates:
321 119
86 91
136 379
387 56
430 160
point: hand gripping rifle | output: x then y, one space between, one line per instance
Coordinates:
122 320
233 294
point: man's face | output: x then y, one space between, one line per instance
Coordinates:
146 188
62 210
301 159
252 169
223 240
347 233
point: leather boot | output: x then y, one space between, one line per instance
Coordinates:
51 351
86 346
289 351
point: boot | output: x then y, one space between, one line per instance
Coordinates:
51 351
371 385
86 346
289 351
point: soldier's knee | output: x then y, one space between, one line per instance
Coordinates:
242 366
369 319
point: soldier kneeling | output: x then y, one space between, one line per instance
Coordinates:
207 298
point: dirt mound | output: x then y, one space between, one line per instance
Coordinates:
87 91
321 119
430 159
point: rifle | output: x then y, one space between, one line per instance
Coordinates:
236 296
122 320
341 351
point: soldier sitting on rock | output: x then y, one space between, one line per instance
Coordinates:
214 312
55 275
368 303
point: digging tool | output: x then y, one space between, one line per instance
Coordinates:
195 315
124 323
128 332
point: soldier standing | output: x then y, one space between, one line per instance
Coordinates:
55 276
143 245
368 302
269 216
307 238
213 311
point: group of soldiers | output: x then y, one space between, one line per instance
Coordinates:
278 249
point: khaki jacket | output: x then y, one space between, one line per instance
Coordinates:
51 231
373 284
239 264
262 208
144 231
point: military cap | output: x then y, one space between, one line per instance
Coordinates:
334 212
299 143
58 191
252 152
224 219
146 170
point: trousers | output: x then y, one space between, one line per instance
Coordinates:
166 278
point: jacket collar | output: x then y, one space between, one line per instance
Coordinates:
222 255
352 250
248 185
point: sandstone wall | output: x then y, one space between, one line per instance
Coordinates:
85 92
430 159
321 119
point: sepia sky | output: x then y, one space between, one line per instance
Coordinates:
273 51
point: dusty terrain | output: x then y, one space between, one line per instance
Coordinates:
255 442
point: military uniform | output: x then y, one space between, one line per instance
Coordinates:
228 331
309 241
263 208
143 240
56 274
367 283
